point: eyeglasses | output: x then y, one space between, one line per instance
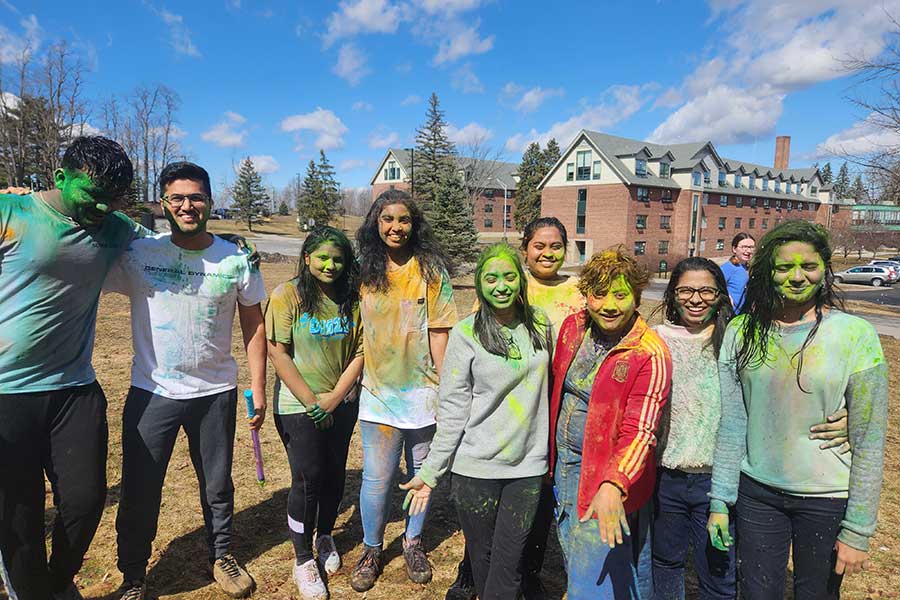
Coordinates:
177 200
706 293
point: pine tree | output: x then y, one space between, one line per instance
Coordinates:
826 173
433 157
310 194
528 197
330 204
284 209
842 182
552 154
453 221
858 190
249 194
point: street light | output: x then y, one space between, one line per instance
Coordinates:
503 183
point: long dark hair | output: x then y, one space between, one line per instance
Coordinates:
762 302
373 253
346 286
723 310
487 328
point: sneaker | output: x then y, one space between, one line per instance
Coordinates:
309 582
133 590
70 593
232 577
417 566
533 587
464 586
327 554
367 569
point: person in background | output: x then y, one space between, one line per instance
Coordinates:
789 359
736 269
315 345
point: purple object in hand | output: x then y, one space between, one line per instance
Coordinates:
257 453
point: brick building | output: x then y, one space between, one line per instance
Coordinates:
666 202
488 182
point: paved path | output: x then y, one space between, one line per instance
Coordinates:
268 242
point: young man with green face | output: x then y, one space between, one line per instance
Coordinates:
184 287
55 250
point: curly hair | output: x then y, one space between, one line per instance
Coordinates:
606 266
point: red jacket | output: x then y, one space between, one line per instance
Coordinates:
630 389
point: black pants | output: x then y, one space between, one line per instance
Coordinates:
769 523
63 433
150 426
496 517
318 461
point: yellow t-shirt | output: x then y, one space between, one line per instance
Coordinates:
400 382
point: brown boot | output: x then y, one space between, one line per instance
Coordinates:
232 577
367 569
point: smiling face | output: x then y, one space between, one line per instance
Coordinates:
395 225
545 253
613 311
692 308
82 199
799 272
500 283
189 216
744 250
326 263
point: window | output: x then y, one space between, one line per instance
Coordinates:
737 180
570 171
720 244
739 201
640 167
799 206
723 200
752 182
809 206
488 207
751 223
666 196
640 248
596 170
643 194
765 223
507 223
778 186
583 163
721 178
488 223
813 191
581 249
702 222
508 210
778 205
723 221
581 211
665 221
737 222
695 178
752 202
766 203
765 185
663 247
641 222
790 205
392 172
663 170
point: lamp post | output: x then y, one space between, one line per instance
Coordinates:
412 172
503 183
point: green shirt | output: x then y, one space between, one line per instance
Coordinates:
321 345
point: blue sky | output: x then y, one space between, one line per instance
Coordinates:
278 80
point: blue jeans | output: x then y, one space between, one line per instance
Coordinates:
382 446
680 515
595 571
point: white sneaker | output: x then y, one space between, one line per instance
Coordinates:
328 554
309 582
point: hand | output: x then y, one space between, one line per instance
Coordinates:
607 505
328 401
717 527
834 431
417 498
316 413
257 421
246 247
850 560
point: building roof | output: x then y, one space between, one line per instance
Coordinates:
494 169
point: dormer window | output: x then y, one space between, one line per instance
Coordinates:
765 185
752 183
737 180
778 186
813 191
664 170
721 178
640 167
695 178
707 179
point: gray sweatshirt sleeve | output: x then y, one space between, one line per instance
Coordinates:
867 405
731 440
454 406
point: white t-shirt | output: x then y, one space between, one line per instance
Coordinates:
182 313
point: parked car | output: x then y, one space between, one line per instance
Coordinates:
890 264
872 274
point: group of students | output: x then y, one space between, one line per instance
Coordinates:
553 400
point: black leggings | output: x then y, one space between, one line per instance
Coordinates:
318 461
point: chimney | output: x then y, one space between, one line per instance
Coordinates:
782 151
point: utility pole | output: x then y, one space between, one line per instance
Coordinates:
505 195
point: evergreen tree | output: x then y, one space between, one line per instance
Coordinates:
331 191
826 173
310 194
528 197
858 190
433 157
552 154
842 182
249 194
283 209
453 221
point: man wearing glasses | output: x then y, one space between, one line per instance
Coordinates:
184 287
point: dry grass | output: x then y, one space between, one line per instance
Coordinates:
177 564
278 225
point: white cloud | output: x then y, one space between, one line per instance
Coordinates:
8 100
180 36
411 99
360 105
619 102
264 163
351 164
14 46
85 129
527 101
668 99
380 138
363 16
863 137
351 64
465 80
469 135
447 8
226 134
329 129
464 41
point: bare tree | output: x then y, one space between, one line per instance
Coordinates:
15 136
61 83
481 165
